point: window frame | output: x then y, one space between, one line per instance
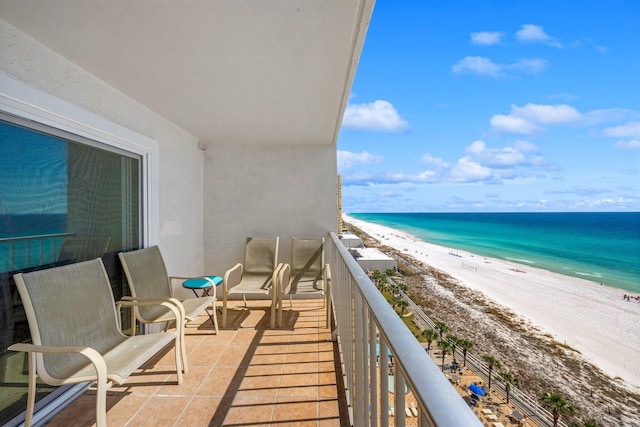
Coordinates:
31 104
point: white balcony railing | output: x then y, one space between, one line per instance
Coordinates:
366 326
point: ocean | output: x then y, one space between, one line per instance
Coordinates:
603 247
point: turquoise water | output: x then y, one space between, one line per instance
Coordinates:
603 247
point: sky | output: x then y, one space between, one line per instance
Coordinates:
495 106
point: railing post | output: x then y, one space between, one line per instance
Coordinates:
373 398
400 404
359 400
384 383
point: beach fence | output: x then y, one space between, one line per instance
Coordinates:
522 402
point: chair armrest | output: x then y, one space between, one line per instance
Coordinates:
326 272
213 286
171 303
284 278
94 357
225 283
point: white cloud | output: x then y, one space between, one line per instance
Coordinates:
547 114
528 119
529 33
528 65
513 124
466 170
348 160
499 158
481 164
487 38
485 67
629 130
478 65
609 115
378 115
634 143
431 160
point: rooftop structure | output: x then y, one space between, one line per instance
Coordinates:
371 259
351 241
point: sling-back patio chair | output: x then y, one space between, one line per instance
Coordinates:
148 281
307 273
76 332
257 274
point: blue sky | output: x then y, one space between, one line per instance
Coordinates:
495 106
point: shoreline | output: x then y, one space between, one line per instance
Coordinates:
594 319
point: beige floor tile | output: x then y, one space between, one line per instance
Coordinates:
161 411
246 375
201 412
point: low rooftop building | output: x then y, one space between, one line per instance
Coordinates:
351 241
373 259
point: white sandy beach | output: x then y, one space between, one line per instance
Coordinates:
591 318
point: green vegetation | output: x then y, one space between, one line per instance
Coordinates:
465 345
509 381
492 363
555 403
429 335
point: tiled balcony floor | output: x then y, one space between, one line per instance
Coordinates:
249 375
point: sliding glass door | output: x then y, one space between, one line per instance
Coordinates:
63 199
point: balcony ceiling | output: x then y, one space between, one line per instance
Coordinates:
230 71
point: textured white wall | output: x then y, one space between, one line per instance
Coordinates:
180 161
243 190
266 191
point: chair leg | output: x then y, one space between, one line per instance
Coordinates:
101 404
31 393
215 317
181 355
224 312
274 308
183 350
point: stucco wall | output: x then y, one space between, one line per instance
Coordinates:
266 191
180 161
209 201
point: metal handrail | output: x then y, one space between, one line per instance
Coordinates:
363 319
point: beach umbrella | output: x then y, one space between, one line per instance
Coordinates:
517 415
477 389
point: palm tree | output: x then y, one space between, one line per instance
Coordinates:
380 279
465 345
393 301
403 304
492 363
555 403
454 343
441 327
509 380
446 347
430 336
